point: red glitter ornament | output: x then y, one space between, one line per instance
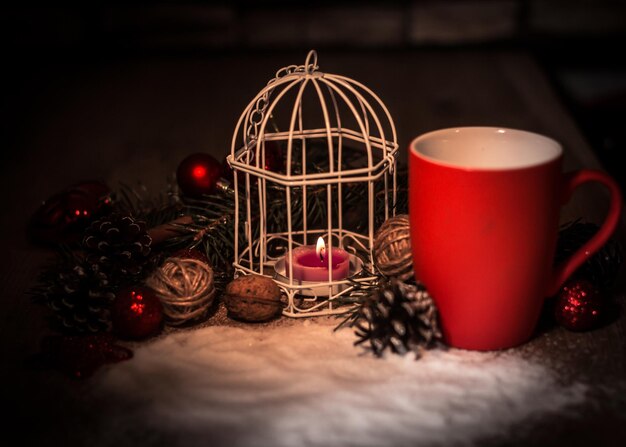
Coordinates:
62 217
80 356
198 174
136 313
579 306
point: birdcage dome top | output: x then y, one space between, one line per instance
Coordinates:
322 126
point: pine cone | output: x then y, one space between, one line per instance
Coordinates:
398 316
119 246
80 297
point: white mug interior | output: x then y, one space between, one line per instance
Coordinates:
486 148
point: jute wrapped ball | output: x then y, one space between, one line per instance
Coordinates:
185 287
392 248
252 298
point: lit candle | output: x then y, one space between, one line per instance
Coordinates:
310 263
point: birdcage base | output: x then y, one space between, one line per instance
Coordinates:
308 298
314 288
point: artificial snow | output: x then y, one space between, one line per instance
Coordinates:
305 385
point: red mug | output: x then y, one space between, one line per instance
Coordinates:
484 206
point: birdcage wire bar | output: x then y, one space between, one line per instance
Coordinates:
251 180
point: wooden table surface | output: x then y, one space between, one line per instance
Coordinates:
133 119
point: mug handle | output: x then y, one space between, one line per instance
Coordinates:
571 181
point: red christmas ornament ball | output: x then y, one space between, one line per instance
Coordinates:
136 313
198 174
579 306
63 217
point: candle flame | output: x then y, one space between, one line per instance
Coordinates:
321 248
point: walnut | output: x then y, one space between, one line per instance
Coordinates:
252 298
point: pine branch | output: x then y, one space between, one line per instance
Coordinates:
210 224
153 210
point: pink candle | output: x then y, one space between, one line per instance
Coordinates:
310 263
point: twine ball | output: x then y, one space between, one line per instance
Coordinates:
185 287
392 248
252 298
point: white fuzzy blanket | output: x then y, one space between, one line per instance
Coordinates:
305 385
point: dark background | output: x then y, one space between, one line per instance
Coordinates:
579 44
78 79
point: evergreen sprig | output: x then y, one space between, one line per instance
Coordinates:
141 204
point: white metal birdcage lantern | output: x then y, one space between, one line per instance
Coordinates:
335 180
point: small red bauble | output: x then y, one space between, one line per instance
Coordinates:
198 174
579 306
62 217
136 313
